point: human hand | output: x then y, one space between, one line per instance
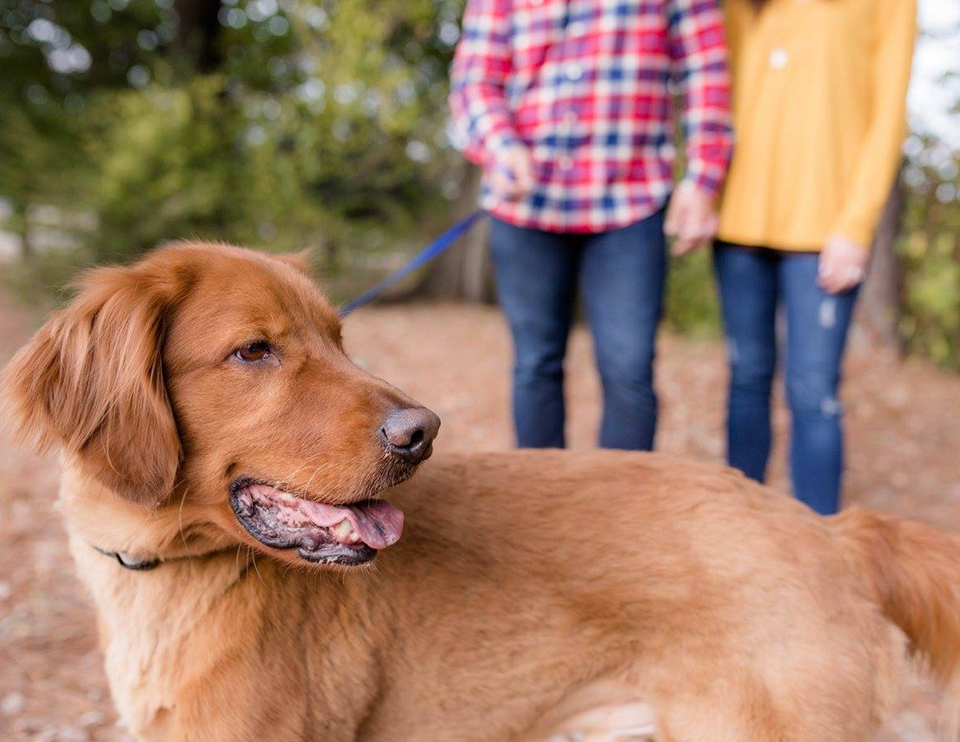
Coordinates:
691 218
843 264
512 172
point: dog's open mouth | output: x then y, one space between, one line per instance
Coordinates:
326 534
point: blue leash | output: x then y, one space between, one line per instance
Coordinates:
423 257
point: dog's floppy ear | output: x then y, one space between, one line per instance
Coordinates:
91 380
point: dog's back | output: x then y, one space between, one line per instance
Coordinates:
740 606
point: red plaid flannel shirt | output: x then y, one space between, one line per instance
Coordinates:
586 85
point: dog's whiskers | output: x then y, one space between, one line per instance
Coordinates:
253 556
288 479
236 559
321 466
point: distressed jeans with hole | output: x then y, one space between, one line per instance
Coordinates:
753 283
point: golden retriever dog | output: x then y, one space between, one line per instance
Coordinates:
235 495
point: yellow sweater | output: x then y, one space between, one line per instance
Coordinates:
819 106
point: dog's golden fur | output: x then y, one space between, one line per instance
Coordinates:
532 593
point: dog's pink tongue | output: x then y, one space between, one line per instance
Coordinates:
379 523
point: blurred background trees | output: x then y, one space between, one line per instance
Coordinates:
291 123
124 123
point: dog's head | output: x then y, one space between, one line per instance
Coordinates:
213 379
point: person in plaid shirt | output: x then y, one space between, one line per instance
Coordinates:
567 107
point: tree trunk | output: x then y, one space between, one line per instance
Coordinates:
199 32
880 297
464 272
21 223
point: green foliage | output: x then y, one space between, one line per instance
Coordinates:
691 301
933 294
930 252
53 51
312 122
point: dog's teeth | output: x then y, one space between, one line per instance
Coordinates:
354 537
343 529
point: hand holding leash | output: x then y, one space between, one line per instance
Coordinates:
512 173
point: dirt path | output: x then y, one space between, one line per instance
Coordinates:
903 419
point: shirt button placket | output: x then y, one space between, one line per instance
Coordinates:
573 73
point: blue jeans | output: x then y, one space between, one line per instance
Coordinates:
753 282
621 275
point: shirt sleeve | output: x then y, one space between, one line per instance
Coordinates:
878 160
481 63
699 53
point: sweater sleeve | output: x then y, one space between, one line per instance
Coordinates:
879 156
481 63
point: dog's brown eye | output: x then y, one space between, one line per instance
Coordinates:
253 352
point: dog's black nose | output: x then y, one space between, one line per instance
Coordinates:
409 433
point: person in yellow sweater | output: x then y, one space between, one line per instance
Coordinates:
819 110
